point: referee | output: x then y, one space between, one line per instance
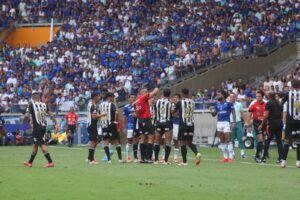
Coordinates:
145 126
273 119
292 131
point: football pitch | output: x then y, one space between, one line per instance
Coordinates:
73 178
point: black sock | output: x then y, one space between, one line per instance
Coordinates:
69 139
149 151
193 148
259 149
266 148
32 156
91 154
183 153
286 148
167 150
106 149
118 148
298 151
47 156
156 151
143 151
135 150
279 147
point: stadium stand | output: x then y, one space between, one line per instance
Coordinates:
121 45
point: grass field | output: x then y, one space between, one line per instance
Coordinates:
73 178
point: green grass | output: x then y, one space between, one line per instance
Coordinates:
73 178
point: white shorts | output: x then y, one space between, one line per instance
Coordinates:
175 131
100 131
223 127
129 133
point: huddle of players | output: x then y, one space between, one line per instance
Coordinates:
266 117
146 122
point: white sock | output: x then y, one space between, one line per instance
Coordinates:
163 153
139 151
128 147
230 150
224 150
242 152
153 154
176 151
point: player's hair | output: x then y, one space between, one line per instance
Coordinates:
185 91
295 83
224 93
260 92
95 94
167 92
271 95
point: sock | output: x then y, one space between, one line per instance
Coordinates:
156 151
139 150
143 151
149 151
298 151
286 148
230 150
118 148
106 149
47 156
193 148
266 148
183 153
128 146
72 138
176 151
168 151
135 150
32 156
91 154
242 152
259 149
224 150
163 153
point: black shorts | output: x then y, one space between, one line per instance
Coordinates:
292 131
162 128
185 132
145 126
110 132
274 129
71 128
38 135
256 124
93 133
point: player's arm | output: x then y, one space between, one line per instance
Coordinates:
156 89
266 116
213 110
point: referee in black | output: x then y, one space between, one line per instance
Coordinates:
273 119
292 130
163 125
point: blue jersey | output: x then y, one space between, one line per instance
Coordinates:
127 112
224 110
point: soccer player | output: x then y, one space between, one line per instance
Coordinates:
256 114
72 119
109 126
272 117
292 130
175 120
224 109
163 125
185 107
37 112
93 118
145 126
129 125
237 128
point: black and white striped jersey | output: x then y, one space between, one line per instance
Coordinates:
91 109
293 106
109 109
163 108
38 111
185 108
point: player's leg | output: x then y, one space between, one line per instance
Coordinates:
135 146
278 138
168 139
270 134
150 139
239 135
229 145
116 140
223 146
175 140
93 134
47 155
157 145
32 156
183 148
193 146
260 140
128 144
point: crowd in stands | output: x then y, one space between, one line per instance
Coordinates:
122 45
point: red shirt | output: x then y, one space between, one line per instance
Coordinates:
143 107
258 110
71 118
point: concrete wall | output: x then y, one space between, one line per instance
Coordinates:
242 68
